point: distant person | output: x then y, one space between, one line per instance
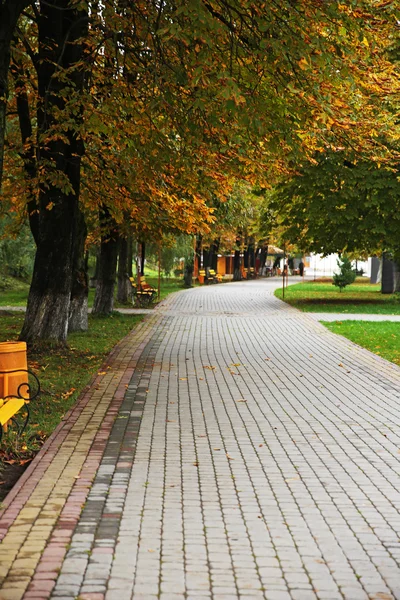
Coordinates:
301 268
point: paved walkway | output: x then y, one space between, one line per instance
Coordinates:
234 449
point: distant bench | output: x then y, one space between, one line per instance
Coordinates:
144 294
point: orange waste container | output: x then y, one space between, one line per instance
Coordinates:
12 359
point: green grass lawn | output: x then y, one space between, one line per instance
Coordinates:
63 373
382 338
16 294
322 296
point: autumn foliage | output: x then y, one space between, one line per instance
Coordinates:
156 114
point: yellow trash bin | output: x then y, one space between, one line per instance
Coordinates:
13 366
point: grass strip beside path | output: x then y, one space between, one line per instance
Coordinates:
63 374
16 293
321 296
382 338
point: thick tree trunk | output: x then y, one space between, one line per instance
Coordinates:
78 309
60 32
104 297
124 285
47 311
10 10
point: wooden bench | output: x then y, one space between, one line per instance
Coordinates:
212 276
14 409
144 294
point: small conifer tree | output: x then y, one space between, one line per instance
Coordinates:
346 275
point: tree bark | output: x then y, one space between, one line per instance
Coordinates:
142 257
206 258
252 253
130 256
10 11
60 31
47 311
124 285
197 257
188 274
214 254
104 297
78 309
237 271
263 259
28 153
246 259
387 284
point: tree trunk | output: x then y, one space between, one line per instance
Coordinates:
206 262
130 256
214 254
246 259
10 10
142 257
47 311
252 254
396 277
375 268
188 274
124 285
104 297
237 267
93 280
61 30
197 257
78 309
263 259
388 269
206 258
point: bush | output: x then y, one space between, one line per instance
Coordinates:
346 275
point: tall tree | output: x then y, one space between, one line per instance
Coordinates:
184 99
339 203
62 28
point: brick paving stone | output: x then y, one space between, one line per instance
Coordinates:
250 454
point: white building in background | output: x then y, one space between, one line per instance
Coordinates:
325 266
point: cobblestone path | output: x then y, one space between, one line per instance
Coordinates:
255 455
